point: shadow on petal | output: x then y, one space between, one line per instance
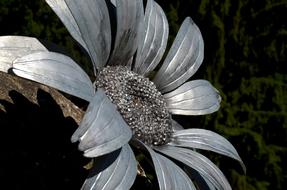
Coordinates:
116 170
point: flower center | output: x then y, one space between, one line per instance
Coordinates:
139 102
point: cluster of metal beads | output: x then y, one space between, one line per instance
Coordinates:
139 102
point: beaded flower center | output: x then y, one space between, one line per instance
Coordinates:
139 102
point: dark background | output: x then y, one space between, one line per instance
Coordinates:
245 58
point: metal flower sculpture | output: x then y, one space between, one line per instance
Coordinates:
126 107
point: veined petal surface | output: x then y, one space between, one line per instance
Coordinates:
13 47
198 162
200 181
183 59
153 39
206 140
102 129
197 97
55 70
92 18
129 18
169 175
63 12
120 175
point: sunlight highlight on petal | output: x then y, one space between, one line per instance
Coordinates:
63 12
153 39
55 70
92 18
129 18
102 129
13 47
169 175
119 175
206 140
183 59
198 162
197 97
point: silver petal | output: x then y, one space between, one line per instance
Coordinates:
197 97
92 18
129 18
63 12
176 126
206 140
209 184
169 175
114 2
198 162
55 70
120 175
13 47
153 40
201 181
102 129
183 59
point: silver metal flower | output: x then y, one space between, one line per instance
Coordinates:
126 106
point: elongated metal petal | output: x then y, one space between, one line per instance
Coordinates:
169 175
13 47
198 162
63 12
209 184
206 140
153 40
119 175
183 59
129 19
176 126
114 2
102 129
200 181
92 18
196 97
55 70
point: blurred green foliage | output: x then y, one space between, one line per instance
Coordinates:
245 58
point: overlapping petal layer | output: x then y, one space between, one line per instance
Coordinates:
62 10
92 18
169 175
153 39
206 140
197 97
103 134
129 19
55 70
198 162
183 59
118 175
102 129
13 47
